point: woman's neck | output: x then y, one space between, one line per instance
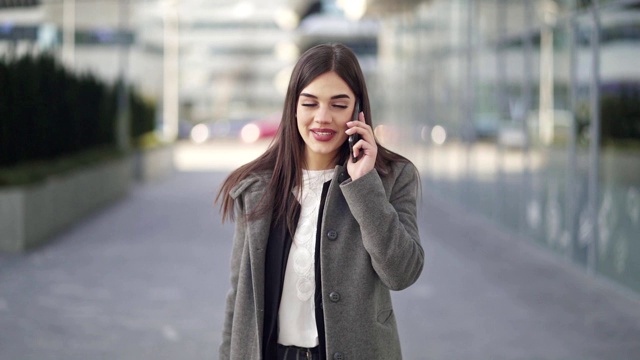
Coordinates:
325 165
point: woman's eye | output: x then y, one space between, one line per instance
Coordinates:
308 104
341 106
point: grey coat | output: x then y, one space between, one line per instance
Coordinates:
369 246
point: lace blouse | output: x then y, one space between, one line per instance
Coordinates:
296 316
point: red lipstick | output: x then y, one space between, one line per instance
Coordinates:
323 134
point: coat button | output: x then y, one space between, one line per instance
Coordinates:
332 234
338 356
334 296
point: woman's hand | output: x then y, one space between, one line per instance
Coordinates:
365 149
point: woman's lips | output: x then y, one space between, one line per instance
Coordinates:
323 134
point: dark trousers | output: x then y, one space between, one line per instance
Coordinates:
298 353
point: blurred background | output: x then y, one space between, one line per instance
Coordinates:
523 112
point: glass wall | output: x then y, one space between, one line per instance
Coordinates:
527 111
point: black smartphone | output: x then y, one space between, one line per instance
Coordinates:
353 139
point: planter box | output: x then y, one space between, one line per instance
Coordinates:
30 215
153 164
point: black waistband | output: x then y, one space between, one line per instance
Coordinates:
313 350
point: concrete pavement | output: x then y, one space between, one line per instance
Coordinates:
146 279
142 279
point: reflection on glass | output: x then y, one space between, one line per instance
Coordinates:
516 98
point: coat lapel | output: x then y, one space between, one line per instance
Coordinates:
334 195
258 235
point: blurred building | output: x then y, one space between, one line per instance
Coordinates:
230 55
100 37
527 111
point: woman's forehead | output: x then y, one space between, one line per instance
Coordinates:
328 84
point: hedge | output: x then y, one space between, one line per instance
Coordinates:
47 112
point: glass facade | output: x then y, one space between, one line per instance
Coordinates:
527 112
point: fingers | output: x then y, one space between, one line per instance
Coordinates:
367 143
361 145
361 128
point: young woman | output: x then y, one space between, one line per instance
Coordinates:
320 240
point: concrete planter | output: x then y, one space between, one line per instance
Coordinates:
29 215
153 164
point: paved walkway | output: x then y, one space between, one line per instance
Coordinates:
146 279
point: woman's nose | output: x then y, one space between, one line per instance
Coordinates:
322 115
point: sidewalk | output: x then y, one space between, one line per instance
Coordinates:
488 295
146 279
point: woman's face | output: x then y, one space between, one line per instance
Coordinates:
324 107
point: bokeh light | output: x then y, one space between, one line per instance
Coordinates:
200 133
250 133
438 135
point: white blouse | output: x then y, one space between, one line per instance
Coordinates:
296 316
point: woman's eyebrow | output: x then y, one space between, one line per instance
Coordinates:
340 96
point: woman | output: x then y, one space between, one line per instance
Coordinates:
320 240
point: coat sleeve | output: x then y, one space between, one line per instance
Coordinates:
388 225
236 255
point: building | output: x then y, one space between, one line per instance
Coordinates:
527 112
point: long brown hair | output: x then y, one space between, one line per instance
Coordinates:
285 155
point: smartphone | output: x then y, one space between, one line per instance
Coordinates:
353 139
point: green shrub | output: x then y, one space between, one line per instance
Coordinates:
143 115
47 112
